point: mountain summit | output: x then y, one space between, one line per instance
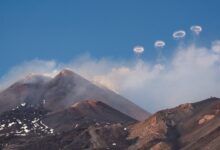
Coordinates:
65 89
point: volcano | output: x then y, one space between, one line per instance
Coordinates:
69 112
62 91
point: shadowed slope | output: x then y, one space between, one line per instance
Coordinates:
85 113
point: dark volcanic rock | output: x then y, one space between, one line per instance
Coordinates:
95 137
90 122
186 127
22 121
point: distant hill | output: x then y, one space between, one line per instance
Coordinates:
85 113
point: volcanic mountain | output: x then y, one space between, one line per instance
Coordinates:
70 113
62 91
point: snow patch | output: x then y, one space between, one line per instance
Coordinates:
114 144
23 104
11 124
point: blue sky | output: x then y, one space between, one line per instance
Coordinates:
63 30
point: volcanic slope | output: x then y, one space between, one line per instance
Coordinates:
60 92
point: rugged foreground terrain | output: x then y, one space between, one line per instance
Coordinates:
51 114
84 127
29 127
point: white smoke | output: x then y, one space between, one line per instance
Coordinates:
179 34
46 68
191 74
